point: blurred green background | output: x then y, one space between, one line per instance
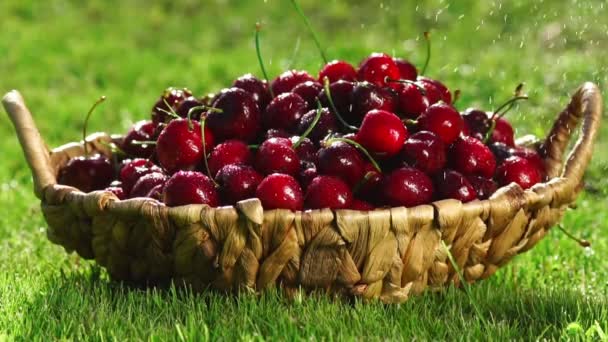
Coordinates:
62 55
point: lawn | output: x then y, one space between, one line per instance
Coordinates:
63 54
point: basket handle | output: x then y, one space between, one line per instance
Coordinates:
586 104
34 148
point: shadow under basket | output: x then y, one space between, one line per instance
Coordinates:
387 254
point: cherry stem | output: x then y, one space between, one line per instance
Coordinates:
404 81
411 122
333 106
296 50
363 181
581 242
508 105
258 28
456 96
253 147
359 147
204 107
205 152
86 123
428 52
488 136
310 29
311 127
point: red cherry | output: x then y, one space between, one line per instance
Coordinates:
190 187
306 175
306 151
341 95
171 96
477 121
336 71
309 91
227 153
361 205
365 97
452 184
407 70
237 183
256 87
325 125
288 80
179 145
284 112
133 170
425 151
484 187
382 133
328 192
411 102
342 160
146 183
280 191
407 187
443 120
140 131
532 156
435 90
87 173
518 170
239 118
277 155
503 132
369 185
186 105
471 157
377 68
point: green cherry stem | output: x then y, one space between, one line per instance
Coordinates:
258 28
333 106
427 37
311 127
86 123
404 81
310 29
505 107
294 54
205 152
359 147
363 181
581 242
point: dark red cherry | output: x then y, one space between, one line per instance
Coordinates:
239 118
361 205
237 183
171 96
325 125
280 191
277 155
284 112
227 153
87 173
328 192
443 120
146 183
518 170
368 187
117 191
133 170
531 155
306 151
411 102
366 97
342 160
452 184
256 87
407 187
341 95
500 151
276 133
407 70
477 121
382 133
306 175
187 104
503 132
288 80
425 151
484 187
179 145
190 187
435 90
309 91
377 68
471 157
338 70
140 131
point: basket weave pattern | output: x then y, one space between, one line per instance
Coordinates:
388 254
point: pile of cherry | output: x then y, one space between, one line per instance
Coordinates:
376 136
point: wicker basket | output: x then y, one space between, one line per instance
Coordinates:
387 254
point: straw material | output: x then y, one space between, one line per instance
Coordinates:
387 254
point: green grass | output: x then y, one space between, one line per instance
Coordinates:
63 54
